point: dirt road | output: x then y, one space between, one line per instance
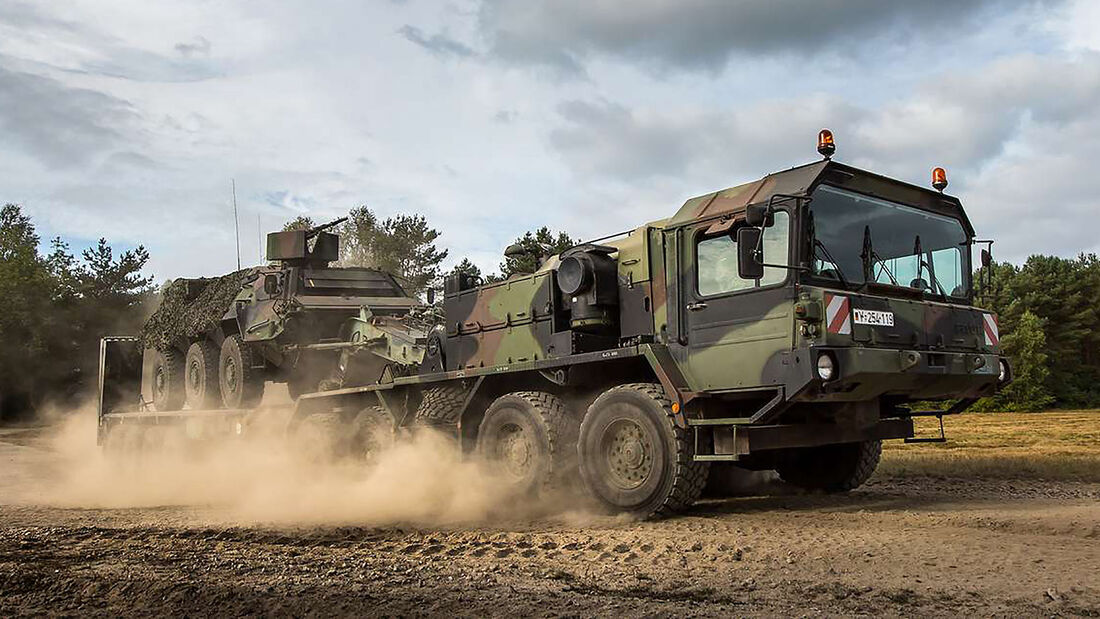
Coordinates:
925 546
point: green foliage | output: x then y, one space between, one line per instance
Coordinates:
539 245
403 245
1027 347
54 309
300 222
25 297
1064 295
466 267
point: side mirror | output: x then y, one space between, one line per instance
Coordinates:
750 262
515 250
431 296
271 284
987 258
759 215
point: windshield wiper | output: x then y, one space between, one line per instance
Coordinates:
817 244
922 265
829 256
869 257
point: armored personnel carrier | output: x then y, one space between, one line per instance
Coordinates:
213 343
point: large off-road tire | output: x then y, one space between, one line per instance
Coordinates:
168 380
242 386
529 438
441 406
830 468
201 371
374 432
321 438
634 458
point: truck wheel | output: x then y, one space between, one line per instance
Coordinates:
529 438
168 380
374 432
633 457
242 386
201 366
830 468
441 406
321 437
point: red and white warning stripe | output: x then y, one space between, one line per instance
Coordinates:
838 314
992 336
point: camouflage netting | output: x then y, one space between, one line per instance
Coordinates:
179 318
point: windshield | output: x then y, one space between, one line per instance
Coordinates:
858 239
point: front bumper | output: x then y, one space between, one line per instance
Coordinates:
865 373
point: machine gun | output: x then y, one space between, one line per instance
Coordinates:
292 247
315 230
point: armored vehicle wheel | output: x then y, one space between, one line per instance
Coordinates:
168 380
374 432
440 406
633 457
830 468
321 438
242 386
530 439
201 367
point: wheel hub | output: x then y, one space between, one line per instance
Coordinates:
231 375
158 380
193 375
515 451
628 453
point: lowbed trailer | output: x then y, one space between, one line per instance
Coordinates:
791 323
127 420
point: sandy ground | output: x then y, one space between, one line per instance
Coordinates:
917 546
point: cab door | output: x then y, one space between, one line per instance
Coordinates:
734 332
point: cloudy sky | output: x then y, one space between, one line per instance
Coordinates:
128 119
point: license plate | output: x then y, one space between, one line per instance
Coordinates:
873 318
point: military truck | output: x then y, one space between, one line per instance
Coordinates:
214 343
791 323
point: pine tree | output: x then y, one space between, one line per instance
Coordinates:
1026 347
540 245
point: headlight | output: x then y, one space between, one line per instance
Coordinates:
826 367
1003 365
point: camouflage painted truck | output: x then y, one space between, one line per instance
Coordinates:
791 323
214 343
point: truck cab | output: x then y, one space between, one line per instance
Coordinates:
862 290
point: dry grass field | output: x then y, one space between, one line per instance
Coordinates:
1057 445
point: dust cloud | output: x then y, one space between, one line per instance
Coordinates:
422 480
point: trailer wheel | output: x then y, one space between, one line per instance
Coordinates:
529 438
201 367
242 386
321 438
374 432
830 468
168 380
441 406
634 458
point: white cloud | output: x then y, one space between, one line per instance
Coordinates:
127 120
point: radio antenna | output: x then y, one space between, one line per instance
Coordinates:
236 223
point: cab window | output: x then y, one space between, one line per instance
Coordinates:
716 260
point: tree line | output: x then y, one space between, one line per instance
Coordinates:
54 307
1048 310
